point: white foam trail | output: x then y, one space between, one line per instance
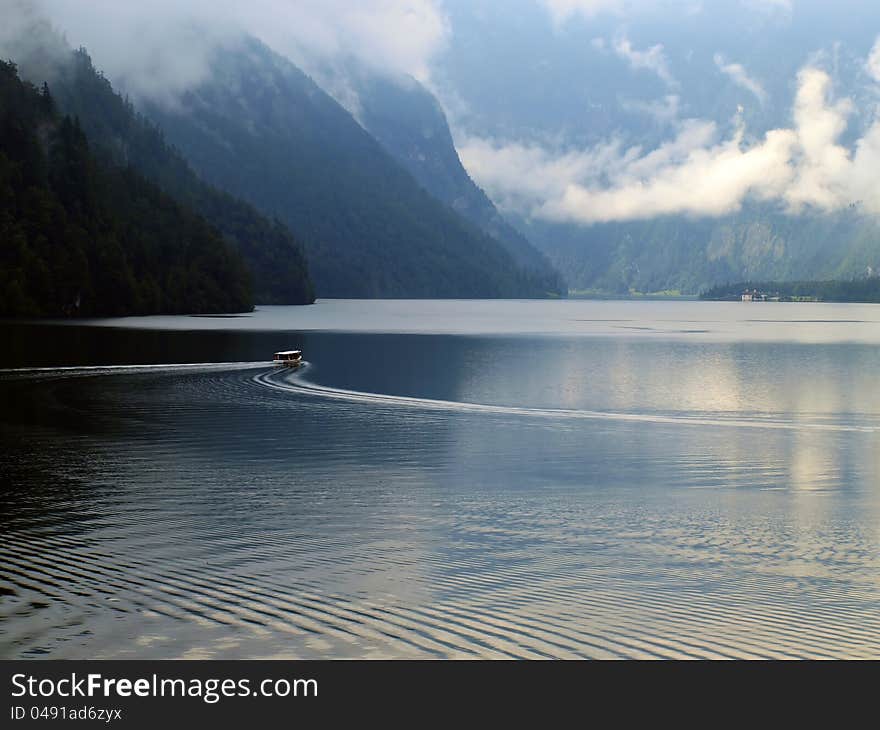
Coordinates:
295 382
124 369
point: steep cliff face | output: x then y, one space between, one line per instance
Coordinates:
410 123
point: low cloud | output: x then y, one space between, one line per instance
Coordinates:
27 38
737 73
164 47
699 172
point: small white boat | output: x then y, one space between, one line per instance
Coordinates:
288 357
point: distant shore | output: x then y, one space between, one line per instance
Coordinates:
631 296
856 291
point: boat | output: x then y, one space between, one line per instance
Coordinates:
288 357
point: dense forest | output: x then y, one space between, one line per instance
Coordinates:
854 290
264 131
121 136
80 237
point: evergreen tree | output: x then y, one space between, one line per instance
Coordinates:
81 237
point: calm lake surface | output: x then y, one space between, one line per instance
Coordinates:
444 479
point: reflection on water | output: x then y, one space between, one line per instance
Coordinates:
666 320
439 496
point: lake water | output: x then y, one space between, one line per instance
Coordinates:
444 479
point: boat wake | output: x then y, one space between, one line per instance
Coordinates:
296 381
80 370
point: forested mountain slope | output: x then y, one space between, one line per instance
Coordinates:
263 130
80 237
122 136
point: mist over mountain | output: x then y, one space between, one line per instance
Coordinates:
252 124
126 138
261 129
629 139
81 237
120 137
639 144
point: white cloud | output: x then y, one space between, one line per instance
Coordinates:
652 59
872 66
165 46
738 74
698 172
519 176
391 35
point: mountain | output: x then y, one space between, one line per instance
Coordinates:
81 237
262 130
690 255
565 113
124 137
410 123
592 90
